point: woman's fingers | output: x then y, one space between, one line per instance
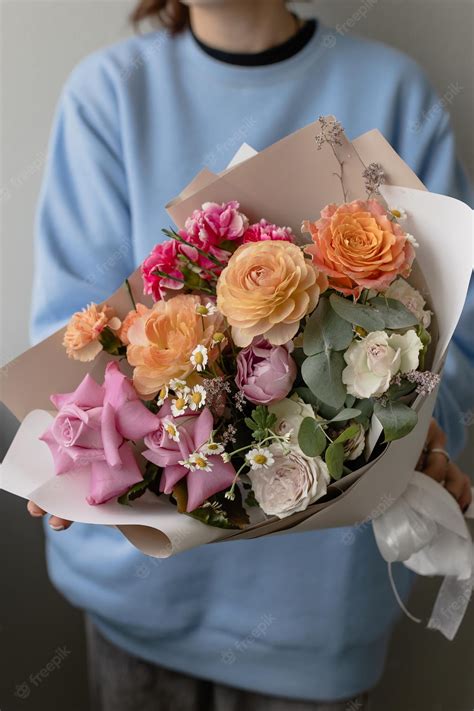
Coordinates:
34 509
56 523
434 461
459 485
436 466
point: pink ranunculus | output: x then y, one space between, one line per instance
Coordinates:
194 432
263 230
265 373
93 428
214 224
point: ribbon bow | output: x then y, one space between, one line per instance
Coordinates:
426 530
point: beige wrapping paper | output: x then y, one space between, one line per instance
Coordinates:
287 182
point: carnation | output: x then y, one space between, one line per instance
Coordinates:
263 230
214 224
290 484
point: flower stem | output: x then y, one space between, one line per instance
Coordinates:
129 289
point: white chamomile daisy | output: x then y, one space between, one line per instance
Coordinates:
171 430
199 357
211 448
162 395
197 397
199 462
225 456
259 458
398 213
177 385
412 240
179 404
208 310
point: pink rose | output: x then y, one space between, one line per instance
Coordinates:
263 230
92 428
178 446
214 224
265 373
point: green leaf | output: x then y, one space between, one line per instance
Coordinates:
348 413
223 513
349 401
396 418
149 481
395 392
325 329
357 314
394 313
311 438
335 459
425 338
366 406
322 373
347 434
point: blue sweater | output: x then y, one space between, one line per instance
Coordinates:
305 615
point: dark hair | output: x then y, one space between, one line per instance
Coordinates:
172 14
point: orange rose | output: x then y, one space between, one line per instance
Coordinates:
359 247
266 289
81 339
163 339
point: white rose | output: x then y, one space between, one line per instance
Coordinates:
290 484
409 345
290 413
411 298
375 359
371 364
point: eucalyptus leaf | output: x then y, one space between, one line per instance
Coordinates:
396 418
366 406
394 313
325 329
348 413
335 459
357 314
311 438
322 373
347 434
349 401
319 406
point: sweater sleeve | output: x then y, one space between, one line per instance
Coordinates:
427 144
83 246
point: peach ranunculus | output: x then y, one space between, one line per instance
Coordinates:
82 336
130 319
266 289
358 247
163 339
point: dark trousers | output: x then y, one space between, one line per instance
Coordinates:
121 682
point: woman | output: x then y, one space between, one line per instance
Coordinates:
294 622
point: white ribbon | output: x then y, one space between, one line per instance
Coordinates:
426 530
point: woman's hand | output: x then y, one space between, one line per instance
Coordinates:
56 523
436 463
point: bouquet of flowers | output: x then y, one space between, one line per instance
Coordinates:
252 377
255 374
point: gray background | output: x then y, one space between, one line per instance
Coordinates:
41 40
